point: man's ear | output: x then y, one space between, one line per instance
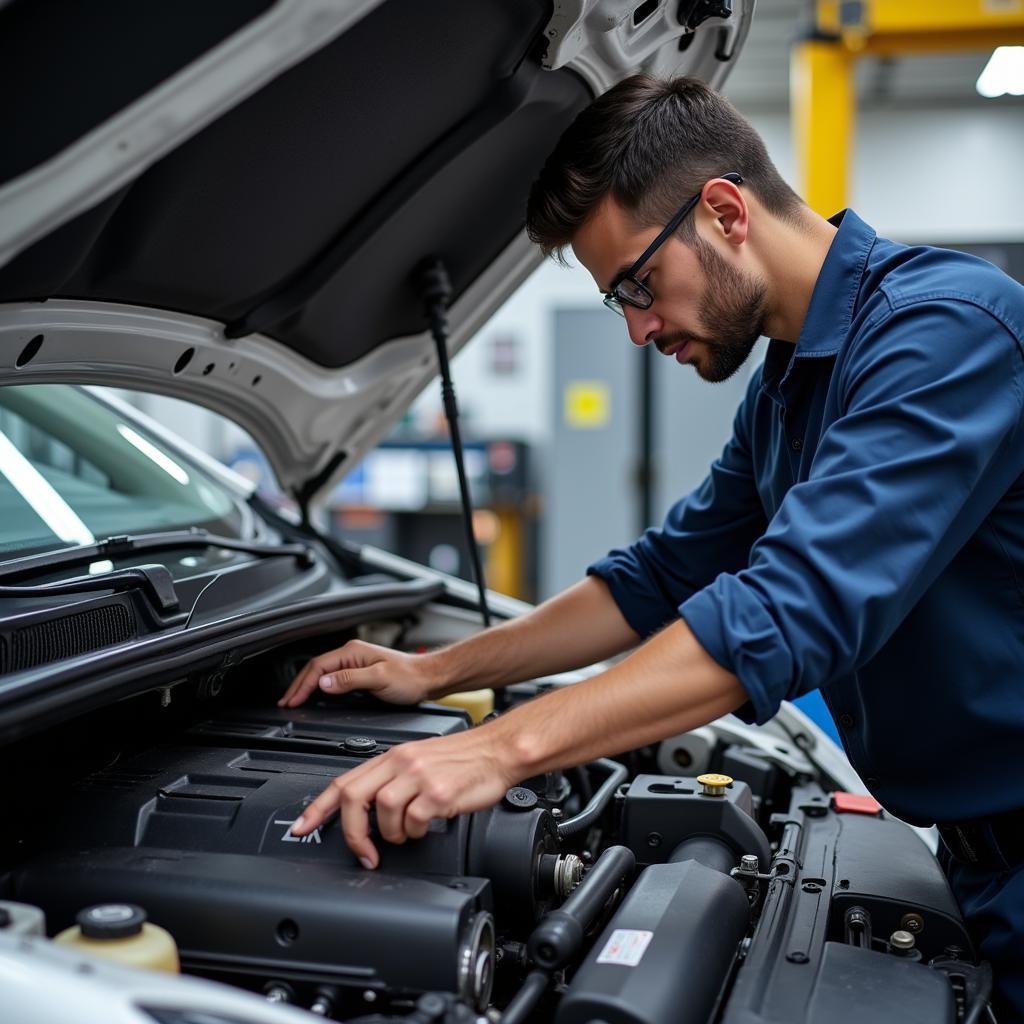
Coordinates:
726 211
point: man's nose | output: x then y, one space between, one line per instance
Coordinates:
642 324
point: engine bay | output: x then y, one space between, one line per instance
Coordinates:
714 877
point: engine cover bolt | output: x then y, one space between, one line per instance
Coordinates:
654 839
749 864
359 744
714 784
277 994
322 1005
913 923
901 940
431 1004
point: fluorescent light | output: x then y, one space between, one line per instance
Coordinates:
39 493
1004 73
168 465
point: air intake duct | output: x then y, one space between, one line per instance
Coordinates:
666 953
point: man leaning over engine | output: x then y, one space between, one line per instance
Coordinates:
862 531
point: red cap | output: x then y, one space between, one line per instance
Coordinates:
855 803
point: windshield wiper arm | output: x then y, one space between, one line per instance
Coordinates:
120 545
155 580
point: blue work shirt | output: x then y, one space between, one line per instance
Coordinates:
863 529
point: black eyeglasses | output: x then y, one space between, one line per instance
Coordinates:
626 289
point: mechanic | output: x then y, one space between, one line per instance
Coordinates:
862 531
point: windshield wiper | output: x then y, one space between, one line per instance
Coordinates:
154 580
114 547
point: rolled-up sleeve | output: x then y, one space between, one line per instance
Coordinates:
927 440
709 531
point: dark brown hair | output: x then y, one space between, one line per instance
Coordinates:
650 144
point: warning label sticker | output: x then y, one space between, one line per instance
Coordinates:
626 947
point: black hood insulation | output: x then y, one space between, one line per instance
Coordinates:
302 212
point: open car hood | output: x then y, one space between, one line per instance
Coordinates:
227 202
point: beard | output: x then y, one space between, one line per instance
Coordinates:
733 311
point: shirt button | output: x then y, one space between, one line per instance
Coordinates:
797 444
846 721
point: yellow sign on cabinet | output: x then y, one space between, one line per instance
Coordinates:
587 404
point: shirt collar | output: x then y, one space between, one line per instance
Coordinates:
833 301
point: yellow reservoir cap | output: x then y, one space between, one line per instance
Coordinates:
479 703
120 932
714 784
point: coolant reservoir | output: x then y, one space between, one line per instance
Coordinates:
120 931
479 703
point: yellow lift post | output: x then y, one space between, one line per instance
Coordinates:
822 71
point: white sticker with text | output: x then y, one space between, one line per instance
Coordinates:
626 947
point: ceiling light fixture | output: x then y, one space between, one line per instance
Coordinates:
1004 73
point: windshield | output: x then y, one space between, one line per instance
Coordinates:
74 471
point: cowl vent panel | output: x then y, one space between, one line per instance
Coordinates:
66 637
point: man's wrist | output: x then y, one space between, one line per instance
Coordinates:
520 751
437 671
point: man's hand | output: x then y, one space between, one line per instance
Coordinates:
410 785
391 675
668 686
577 627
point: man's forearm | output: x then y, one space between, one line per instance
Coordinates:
576 628
669 686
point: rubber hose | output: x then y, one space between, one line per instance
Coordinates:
557 939
617 775
525 1001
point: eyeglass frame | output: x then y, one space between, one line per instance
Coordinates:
611 298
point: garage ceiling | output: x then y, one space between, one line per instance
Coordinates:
760 81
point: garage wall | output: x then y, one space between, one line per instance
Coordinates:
920 173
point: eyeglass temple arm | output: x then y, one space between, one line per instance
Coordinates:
673 224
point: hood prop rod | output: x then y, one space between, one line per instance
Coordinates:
436 289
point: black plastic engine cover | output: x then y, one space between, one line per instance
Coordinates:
799 968
239 916
196 831
882 866
857 984
204 795
213 799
